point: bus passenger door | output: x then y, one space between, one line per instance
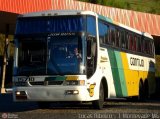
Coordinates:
91 56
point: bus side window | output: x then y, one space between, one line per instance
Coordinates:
145 46
112 36
107 35
103 32
127 40
131 41
100 29
150 47
135 43
153 49
139 44
123 41
117 32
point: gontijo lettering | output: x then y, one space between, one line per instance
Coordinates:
136 62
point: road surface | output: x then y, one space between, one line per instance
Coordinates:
112 109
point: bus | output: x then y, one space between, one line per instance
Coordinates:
80 56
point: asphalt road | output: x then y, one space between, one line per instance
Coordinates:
117 109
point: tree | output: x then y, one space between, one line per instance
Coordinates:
150 6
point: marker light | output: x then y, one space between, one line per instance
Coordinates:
73 82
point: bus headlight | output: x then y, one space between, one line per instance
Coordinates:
74 82
21 95
71 92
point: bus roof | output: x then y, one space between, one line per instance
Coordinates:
58 13
82 12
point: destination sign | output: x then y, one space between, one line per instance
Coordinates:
62 34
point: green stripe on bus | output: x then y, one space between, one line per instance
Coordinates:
105 18
115 72
60 78
121 73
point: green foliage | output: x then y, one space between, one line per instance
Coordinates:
149 6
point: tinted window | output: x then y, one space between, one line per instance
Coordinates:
91 25
112 36
50 24
118 37
103 32
139 44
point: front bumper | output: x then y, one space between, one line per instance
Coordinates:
51 93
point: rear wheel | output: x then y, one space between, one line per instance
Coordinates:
98 104
146 90
141 96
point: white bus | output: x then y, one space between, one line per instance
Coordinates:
81 56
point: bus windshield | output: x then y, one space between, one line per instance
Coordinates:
64 55
49 45
58 55
31 56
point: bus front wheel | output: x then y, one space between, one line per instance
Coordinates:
98 104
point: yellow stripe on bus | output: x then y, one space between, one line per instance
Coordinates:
127 74
133 77
72 78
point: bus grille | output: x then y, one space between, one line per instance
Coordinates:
39 83
48 83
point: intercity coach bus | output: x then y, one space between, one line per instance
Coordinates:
82 56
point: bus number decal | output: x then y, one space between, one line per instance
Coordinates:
25 79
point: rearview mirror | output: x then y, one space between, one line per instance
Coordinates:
91 47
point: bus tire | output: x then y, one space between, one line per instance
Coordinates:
146 89
43 105
141 96
98 104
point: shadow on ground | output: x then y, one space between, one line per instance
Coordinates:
7 105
